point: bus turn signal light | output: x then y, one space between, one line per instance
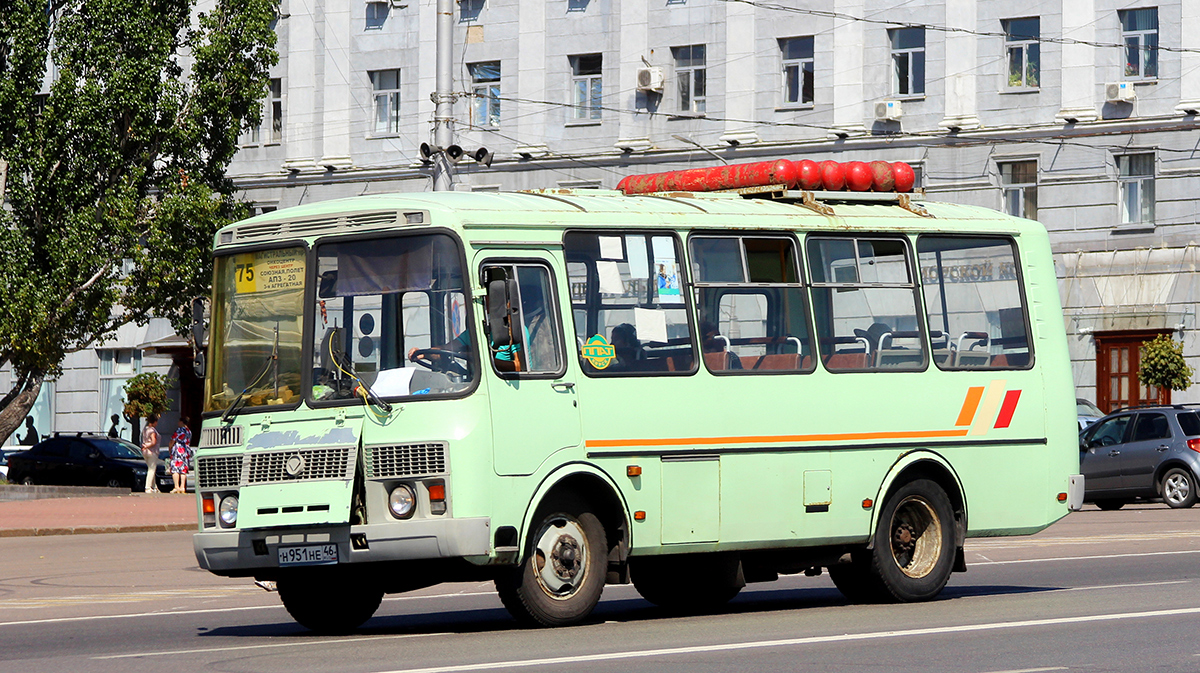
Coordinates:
1062 497
209 506
868 503
633 470
639 515
437 492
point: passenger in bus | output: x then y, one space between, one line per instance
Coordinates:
625 344
712 344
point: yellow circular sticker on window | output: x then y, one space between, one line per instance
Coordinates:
598 352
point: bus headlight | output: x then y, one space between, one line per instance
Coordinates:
402 501
228 510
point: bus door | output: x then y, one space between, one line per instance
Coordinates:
534 404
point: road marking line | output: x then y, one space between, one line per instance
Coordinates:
791 642
1033 670
1086 558
1125 586
326 641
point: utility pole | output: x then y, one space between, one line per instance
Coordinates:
443 98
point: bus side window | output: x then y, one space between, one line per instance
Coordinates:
865 304
627 295
974 303
753 313
535 346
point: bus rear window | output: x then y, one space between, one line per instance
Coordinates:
974 303
1189 422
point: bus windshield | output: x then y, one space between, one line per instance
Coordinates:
257 311
392 313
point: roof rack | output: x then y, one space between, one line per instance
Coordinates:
1155 406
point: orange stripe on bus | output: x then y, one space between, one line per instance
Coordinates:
708 441
970 405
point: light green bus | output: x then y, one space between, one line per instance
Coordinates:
563 389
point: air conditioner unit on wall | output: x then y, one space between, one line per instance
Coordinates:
650 79
888 110
1119 92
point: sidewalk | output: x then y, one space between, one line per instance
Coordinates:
134 513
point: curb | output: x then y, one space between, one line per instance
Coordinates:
92 530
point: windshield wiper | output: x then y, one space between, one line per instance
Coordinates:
272 360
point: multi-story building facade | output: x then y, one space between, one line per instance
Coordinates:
1081 114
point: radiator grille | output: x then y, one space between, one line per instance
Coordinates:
268 467
407 460
218 471
229 435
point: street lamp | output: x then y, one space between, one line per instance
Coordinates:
685 139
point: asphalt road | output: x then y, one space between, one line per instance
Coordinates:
1099 591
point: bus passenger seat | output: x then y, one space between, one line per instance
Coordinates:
716 361
846 361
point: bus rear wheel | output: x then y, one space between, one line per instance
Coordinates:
687 583
563 574
328 601
913 553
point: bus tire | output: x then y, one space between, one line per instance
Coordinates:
856 581
913 553
328 602
563 574
687 583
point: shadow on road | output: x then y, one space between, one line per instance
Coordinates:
488 620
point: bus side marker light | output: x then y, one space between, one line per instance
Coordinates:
639 515
868 503
633 470
1062 497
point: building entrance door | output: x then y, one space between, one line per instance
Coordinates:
1117 361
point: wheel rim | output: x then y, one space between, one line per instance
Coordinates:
916 537
560 557
1177 488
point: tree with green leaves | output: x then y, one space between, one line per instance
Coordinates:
146 395
1162 364
118 119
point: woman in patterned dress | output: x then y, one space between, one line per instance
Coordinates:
181 455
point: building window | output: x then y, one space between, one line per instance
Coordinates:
1139 32
116 367
386 86
377 14
269 131
908 61
587 85
690 70
1018 181
469 10
1021 41
485 87
1136 176
797 55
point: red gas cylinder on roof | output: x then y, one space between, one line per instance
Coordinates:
882 177
833 176
810 174
905 178
735 176
858 176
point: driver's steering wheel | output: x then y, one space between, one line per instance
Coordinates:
445 362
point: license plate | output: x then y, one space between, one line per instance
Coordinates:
308 555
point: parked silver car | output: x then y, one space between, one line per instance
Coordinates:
1141 454
1088 413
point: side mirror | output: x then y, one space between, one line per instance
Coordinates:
504 323
198 362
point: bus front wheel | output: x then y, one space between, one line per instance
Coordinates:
563 574
328 601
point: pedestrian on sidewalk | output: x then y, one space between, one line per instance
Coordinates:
150 450
181 455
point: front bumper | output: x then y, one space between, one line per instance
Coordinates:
232 552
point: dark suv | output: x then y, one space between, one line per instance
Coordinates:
1142 453
82 459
